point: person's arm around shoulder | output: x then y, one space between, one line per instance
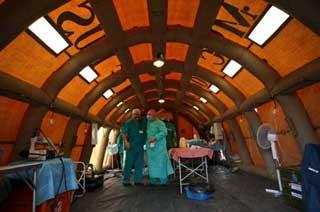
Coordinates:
124 134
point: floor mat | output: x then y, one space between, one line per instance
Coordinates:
233 192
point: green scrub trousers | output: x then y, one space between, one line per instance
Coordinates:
133 159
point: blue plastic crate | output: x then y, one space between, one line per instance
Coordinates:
198 195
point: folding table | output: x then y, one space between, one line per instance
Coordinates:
51 177
180 153
33 167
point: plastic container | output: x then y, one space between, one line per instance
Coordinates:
201 196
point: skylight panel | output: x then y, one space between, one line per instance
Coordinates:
108 94
232 68
214 88
203 100
195 107
88 74
119 104
43 30
268 25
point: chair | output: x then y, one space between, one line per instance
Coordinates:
81 169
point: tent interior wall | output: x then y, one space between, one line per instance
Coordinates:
120 46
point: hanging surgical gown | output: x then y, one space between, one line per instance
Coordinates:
159 165
120 148
171 135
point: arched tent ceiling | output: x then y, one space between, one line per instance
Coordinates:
168 105
186 112
151 93
169 96
120 38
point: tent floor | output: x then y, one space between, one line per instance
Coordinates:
235 192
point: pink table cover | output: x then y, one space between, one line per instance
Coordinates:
176 153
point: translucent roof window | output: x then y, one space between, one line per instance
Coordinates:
108 94
214 88
44 31
268 25
195 107
88 74
203 100
232 68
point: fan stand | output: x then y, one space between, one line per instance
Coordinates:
114 171
272 138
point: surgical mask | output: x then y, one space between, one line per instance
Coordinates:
150 118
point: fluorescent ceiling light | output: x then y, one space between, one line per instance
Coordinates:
268 25
127 110
161 101
203 100
119 104
49 35
108 94
195 107
88 74
159 61
214 88
232 68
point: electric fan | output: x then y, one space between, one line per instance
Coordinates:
112 149
266 138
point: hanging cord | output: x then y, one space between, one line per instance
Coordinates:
276 126
274 115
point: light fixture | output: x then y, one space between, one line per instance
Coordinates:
203 100
161 101
119 104
268 25
88 74
159 61
108 94
214 88
195 107
51 120
256 109
43 30
127 110
232 68
274 111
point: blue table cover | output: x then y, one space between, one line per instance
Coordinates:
49 178
216 147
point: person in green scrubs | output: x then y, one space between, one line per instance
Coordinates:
120 147
159 165
171 134
134 138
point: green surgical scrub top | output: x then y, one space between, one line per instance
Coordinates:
136 131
